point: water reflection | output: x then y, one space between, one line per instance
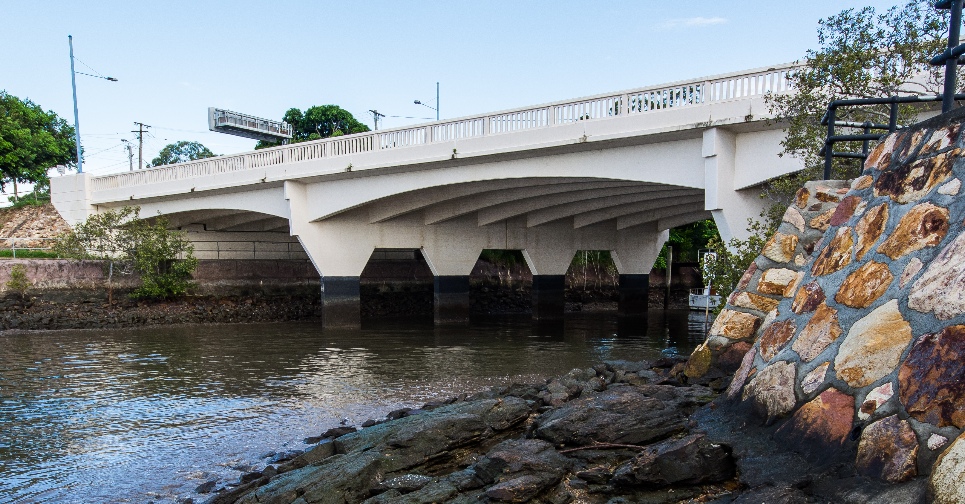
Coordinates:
136 415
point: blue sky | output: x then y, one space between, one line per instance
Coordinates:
174 59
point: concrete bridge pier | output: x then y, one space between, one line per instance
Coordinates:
634 256
548 265
451 266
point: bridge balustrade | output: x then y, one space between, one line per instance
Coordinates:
735 86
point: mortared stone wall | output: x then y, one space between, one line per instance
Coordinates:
861 349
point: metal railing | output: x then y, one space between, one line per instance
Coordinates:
225 249
693 93
13 244
867 136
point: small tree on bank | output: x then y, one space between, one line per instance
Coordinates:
163 259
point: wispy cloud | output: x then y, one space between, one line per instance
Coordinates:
693 22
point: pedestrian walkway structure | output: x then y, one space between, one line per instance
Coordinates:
609 172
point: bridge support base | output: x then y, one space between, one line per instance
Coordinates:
451 299
340 302
548 300
634 295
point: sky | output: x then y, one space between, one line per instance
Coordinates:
174 59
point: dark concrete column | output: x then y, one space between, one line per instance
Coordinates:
451 299
340 302
634 295
548 300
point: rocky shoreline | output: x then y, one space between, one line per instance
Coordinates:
619 432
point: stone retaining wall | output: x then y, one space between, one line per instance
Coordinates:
865 350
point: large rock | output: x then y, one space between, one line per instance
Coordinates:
775 281
822 330
808 297
941 289
735 325
743 372
780 247
947 483
523 468
930 381
775 337
754 301
822 424
772 390
865 285
925 225
690 460
625 415
873 346
836 255
869 229
888 450
910 181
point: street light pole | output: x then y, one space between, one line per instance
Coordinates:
73 85
437 100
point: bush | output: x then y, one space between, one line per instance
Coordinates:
164 259
18 281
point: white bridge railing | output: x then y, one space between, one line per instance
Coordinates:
721 88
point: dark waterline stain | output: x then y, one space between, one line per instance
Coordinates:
148 414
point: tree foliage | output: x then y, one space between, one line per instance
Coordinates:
320 121
180 152
861 53
31 141
687 241
163 259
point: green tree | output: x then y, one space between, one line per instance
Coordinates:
163 259
19 282
687 241
31 142
320 121
861 54
181 152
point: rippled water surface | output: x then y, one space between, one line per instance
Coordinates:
147 415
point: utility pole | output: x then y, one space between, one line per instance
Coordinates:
73 86
140 143
375 118
130 154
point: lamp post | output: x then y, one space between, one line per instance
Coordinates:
73 85
417 102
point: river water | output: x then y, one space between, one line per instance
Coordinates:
149 414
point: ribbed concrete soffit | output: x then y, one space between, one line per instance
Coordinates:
390 207
563 192
663 207
263 224
522 207
225 223
630 221
557 212
181 219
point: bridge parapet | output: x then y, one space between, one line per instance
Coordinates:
748 84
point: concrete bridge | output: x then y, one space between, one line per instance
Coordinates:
609 172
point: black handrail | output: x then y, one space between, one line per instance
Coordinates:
953 56
950 57
829 120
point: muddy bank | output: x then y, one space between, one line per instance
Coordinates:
619 432
80 309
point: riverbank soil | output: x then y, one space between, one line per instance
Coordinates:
619 432
91 310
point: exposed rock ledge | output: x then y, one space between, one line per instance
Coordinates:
617 433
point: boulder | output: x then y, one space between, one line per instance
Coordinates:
690 460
